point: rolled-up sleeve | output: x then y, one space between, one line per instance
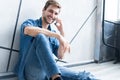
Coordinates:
28 23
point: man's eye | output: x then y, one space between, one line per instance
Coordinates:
50 11
56 13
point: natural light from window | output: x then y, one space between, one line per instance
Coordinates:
112 10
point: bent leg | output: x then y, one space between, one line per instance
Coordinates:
33 68
40 62
45 55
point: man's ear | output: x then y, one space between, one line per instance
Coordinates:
43 9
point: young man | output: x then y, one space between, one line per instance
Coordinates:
38 44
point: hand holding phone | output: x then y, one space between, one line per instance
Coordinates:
58 24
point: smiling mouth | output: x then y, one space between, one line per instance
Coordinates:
51 19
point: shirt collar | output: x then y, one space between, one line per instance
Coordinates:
40 24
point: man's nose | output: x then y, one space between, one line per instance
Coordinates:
53 15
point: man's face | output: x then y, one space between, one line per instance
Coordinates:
50 14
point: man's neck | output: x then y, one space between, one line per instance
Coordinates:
44 24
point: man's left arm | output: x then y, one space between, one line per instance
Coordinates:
64 45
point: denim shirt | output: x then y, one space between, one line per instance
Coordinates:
25 43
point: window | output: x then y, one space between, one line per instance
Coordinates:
112 10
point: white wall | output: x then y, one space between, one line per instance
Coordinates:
8 14
112 10
74 13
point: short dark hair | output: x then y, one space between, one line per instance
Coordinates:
51 2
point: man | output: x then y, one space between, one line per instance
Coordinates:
39 42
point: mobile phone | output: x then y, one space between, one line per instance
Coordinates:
56 23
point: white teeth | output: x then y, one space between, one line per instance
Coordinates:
49 17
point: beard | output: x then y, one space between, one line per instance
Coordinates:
48 22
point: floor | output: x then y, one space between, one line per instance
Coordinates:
103 71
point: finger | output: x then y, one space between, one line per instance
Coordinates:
65 49
59 56
69 49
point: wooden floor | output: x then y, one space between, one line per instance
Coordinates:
103 71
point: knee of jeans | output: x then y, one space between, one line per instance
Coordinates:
40 37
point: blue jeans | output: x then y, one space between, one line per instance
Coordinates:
41 65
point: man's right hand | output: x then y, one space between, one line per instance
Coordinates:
63 48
